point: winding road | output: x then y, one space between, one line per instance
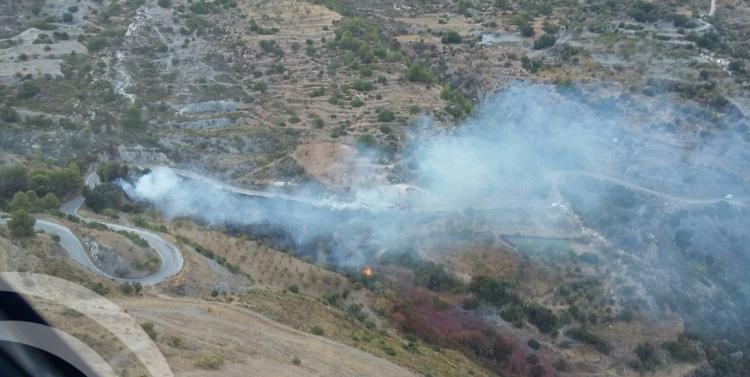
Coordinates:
171 258
558 175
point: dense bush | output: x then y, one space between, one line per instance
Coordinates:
111 171
270 47
541 317
149 328
526 30
133 117
492 291
362 86
260 86
105 195
28 89
365 40
533 344
60 181
13 178
644 11
418 72
276 69
9 114
458 105
30 202
436 277
683 350
318 122
201 7
21 224
386 116
545 41
531 65
451 37
584 336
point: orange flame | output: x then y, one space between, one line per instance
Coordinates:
368 272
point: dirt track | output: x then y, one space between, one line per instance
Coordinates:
250 344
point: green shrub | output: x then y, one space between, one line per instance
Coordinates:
386 116
13 178
357 102
260 86
201 7
132 119
389 351
165 3
451 37
533 344
545 41
458 105
584 336
276 69
28 89
418 72
270 47
97 43
541 317
318 123
111 171
682 350
21 224
9 114
492 291
362 85
149 328
60 35
100 289
526 30
366 71
531 65
317 330
105 195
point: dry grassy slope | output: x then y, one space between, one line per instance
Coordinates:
248 343
42 255
117 254
267 267
117 355
302 313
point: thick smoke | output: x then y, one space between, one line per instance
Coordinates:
654 179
